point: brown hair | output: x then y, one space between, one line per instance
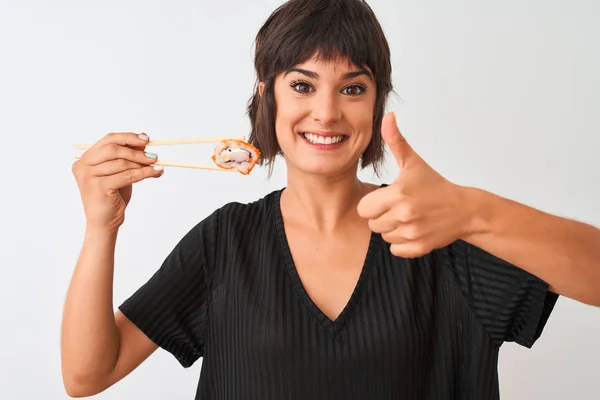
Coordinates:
296 31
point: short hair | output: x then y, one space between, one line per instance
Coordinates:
295 32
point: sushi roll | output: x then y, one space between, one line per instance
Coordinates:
236 154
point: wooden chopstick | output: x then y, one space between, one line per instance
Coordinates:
212 167
174 142
194 166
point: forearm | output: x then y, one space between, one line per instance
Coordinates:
562 252
90 338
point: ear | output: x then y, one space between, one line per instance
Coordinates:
261 88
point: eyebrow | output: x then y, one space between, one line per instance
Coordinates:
346 76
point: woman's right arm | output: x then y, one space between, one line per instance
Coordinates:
98 346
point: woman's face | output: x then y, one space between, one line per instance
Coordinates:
324 116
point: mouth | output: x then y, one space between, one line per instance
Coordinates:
327 139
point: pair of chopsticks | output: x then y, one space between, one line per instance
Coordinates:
179 142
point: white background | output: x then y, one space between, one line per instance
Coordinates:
500 95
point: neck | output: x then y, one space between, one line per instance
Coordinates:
323 203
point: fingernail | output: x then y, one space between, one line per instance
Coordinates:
151 155
143 136
158 167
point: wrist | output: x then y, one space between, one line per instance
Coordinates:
479 213
96 232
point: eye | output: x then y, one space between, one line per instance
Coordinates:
354 90
301 87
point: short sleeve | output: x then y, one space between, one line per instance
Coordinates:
511 304
171 307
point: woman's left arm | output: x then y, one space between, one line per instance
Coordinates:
422 211
562 252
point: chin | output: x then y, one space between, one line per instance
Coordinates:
323 167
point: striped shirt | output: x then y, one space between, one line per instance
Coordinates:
422 328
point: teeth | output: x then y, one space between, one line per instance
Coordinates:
311 137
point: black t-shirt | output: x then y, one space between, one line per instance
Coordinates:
423 328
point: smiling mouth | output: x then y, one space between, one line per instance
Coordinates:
317 139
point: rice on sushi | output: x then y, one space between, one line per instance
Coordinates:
236 154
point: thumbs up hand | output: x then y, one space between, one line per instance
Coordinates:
421 210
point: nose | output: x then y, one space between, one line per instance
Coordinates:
325 108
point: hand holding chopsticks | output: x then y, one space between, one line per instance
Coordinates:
247 155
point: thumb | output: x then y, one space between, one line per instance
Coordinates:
394 139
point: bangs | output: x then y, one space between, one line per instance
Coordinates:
325 29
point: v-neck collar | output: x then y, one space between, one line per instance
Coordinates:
333 326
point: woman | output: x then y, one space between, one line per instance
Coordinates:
331 288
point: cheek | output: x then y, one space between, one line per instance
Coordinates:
286 115
289 114
291 109
361 112
362 120
285 121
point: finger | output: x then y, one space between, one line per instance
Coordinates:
405 233
400 213
129 139
113 167
395 140
112 151
409 249
130 176
378 202
384 223
394 237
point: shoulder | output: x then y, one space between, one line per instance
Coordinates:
509 302
228 228
241 213
235 216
